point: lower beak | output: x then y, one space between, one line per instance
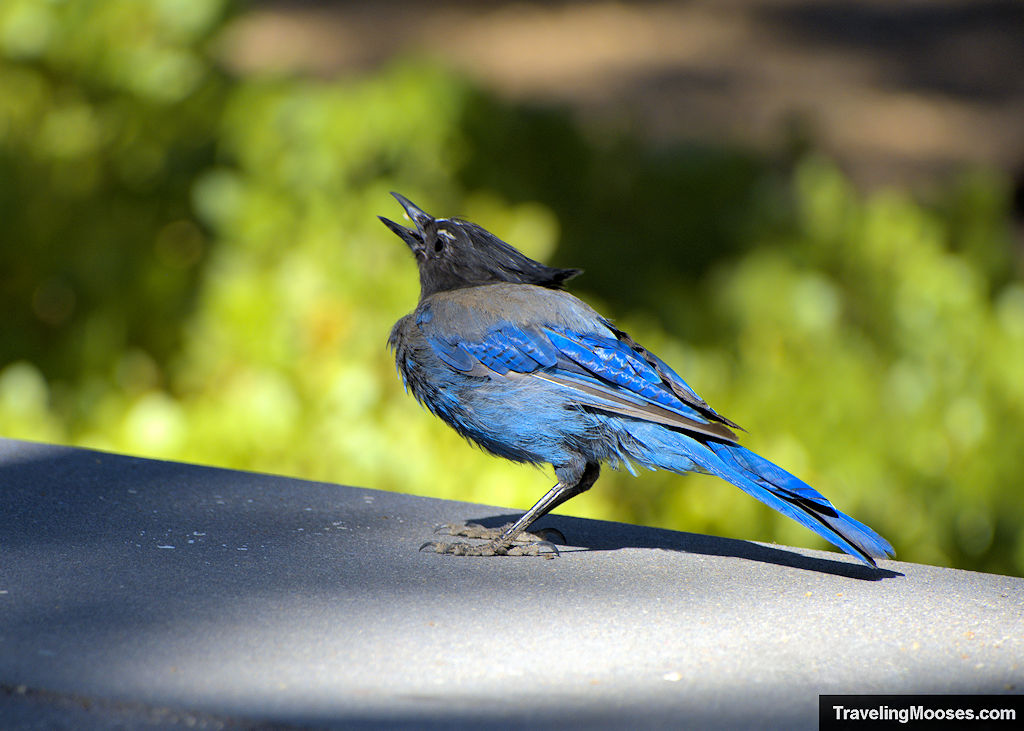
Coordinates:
412 239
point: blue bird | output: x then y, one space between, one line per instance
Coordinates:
500 352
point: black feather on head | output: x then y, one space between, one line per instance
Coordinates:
452 253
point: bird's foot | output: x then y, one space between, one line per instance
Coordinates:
475 530
523 544
541 548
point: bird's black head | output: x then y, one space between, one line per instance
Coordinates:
452 254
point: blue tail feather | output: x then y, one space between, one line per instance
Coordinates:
793 497
765 481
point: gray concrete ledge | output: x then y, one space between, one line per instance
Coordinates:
146 594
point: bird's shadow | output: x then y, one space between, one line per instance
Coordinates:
583 534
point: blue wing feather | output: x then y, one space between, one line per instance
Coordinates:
531 342
508 348
615 362
603 371
452 353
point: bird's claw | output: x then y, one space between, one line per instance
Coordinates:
542 548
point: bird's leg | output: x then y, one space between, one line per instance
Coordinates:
573 479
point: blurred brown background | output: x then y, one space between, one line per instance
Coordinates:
898 92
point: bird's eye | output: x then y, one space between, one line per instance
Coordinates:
443 236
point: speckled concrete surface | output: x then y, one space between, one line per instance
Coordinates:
160 595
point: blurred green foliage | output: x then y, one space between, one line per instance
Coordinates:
193 269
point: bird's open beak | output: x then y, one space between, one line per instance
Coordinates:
413 239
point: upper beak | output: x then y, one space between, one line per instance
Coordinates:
413 239
418 217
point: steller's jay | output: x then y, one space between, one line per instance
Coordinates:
512 362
